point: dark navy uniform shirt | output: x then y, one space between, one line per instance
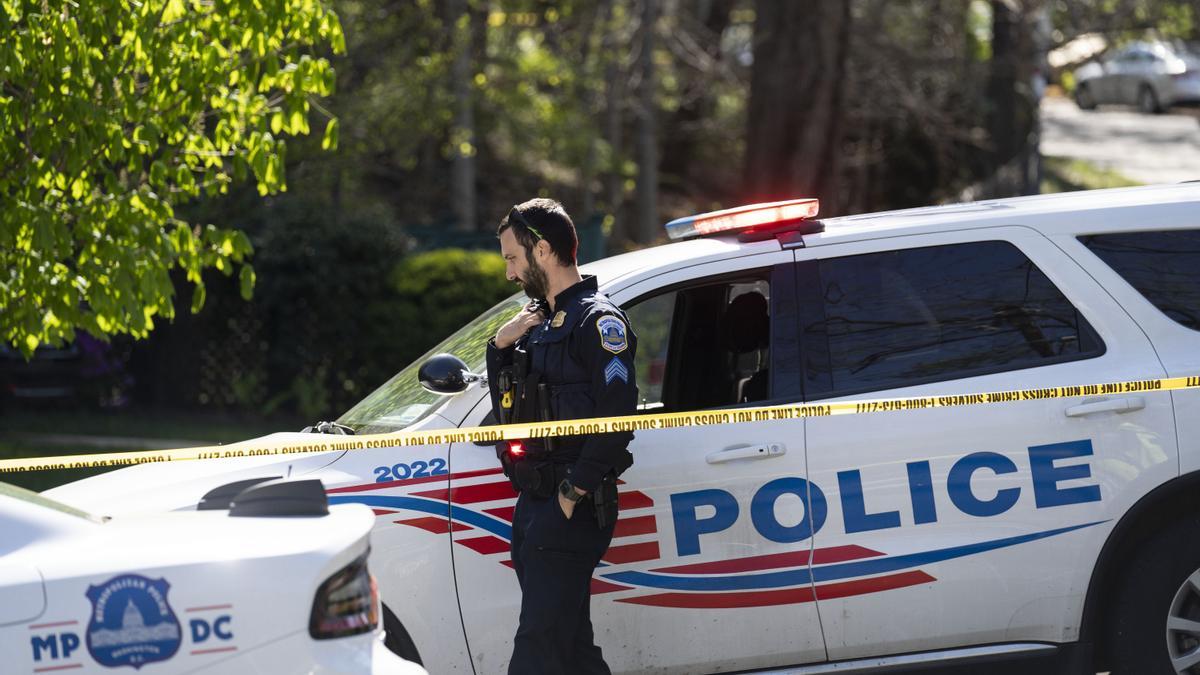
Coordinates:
583 352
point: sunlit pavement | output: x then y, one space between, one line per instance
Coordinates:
1145 148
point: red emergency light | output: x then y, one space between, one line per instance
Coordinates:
770 215
516 449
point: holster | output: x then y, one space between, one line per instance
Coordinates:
527 477
604 501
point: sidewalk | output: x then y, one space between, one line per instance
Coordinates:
1146 148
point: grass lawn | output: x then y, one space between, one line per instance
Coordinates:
1063 174
134 423
44 480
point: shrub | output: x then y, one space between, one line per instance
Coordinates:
438 292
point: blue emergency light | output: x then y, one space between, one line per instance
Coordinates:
770 215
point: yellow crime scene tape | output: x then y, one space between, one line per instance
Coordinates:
596 425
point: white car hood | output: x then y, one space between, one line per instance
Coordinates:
150 540
175 486
178 486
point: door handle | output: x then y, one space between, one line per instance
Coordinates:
1117 405
746 452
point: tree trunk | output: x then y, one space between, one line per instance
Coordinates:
462 134
647 132
1013 114
797 82
1002 80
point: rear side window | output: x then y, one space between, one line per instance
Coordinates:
912 316
705 345
1163 266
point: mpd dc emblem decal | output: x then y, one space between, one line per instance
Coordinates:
612 334
131 623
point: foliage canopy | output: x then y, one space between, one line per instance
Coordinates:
112 114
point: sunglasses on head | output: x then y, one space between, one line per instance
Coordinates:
514 214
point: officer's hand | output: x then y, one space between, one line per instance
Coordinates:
567 506
525 321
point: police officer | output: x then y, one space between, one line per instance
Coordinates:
566 355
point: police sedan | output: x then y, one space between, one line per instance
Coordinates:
275 582
1056 529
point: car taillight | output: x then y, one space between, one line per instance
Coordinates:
346 603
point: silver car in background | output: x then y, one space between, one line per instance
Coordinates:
1150 75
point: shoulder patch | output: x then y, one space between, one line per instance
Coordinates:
613 336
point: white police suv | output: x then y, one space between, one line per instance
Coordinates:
275 582
1063 530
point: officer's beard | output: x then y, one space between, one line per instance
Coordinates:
535 283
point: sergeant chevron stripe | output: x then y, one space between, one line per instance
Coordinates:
616 371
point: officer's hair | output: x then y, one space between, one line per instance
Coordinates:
543 219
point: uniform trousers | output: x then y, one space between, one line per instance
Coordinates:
554 558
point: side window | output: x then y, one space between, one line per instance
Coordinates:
651 321
920 315
1163 266
704 345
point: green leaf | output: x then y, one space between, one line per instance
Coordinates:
296 121
185 180
337 39
198 297
158 173
174 10
258 162
330 140
247 279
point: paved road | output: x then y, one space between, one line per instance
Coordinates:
1145 148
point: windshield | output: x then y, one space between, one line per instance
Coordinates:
402 401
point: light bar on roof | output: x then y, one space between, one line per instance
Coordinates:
742 218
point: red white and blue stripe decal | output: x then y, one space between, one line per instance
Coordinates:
476 509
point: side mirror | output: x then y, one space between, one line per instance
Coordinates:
446 374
